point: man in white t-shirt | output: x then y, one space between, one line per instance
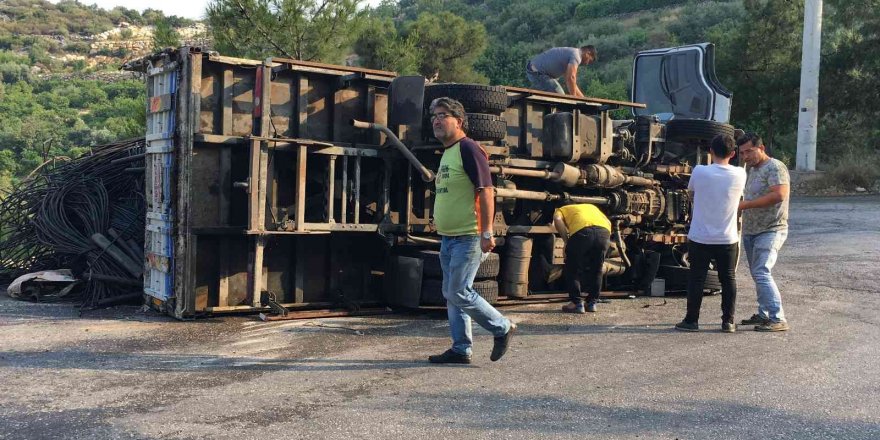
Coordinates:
717 189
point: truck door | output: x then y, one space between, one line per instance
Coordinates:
680 82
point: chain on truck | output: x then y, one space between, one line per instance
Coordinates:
286 185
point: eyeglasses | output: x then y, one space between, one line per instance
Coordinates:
441 116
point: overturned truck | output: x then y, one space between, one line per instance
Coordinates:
289 184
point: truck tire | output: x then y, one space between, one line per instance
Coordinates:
431 264
683 130
475 98
712 284
485 127
489 269
677 278
488 289
432 293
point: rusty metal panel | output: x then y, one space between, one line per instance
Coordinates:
283 108
206 159
211 95
320 101
160 174
534 124
513 116
349 104
243 101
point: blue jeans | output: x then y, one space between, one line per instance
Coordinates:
543 82
761 252
460 258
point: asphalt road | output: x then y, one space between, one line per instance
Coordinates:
620 373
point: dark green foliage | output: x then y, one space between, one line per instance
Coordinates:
604 8
164 36
380 46
80 47
450 46
308 30
12 72
41 119
39 17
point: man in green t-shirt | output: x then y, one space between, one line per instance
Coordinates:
464 207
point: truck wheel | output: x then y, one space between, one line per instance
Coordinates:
684 130
677 278
431 264
432 293
712 284
475 98
488 289
485 127
489 269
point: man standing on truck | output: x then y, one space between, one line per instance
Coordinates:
544 69
464 209
713 235
587 235
765 228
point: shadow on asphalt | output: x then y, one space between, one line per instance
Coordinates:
83 360
567 329
551 416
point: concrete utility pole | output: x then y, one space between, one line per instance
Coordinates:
808 115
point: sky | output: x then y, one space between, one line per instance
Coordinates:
193 9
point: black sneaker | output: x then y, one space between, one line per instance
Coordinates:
728 327
501 344
756 319
687 326
775 326
449 357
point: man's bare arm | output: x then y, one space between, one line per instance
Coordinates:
571 80
778 193
559 224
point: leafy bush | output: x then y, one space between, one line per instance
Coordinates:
12 72
45 118
856 171
80 47
604 8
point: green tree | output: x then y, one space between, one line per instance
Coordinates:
379 46
312 30
850 68
759 60
451 46
8 169
164 36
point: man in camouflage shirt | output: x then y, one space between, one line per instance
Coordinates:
765 227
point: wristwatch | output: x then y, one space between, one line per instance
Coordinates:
486 235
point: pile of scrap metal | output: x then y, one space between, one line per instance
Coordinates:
85 215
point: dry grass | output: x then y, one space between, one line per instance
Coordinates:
848 174
855 171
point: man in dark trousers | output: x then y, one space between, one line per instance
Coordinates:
544 69
464 209
717 189
587 235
